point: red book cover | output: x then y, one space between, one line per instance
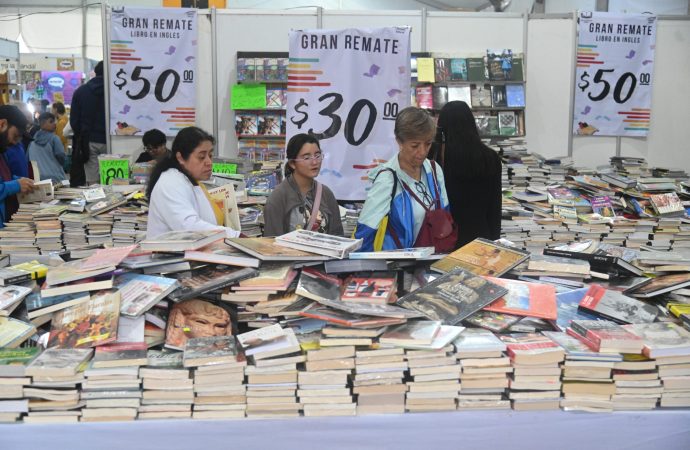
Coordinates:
525 299
616 334
425 97
582 339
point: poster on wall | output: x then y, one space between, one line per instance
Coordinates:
345 87
58 86
613 75
153 56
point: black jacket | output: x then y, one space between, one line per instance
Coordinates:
87 113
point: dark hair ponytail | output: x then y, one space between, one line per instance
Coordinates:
185 142
294 145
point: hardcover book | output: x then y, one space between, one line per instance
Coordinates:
525 299
140 292
613 305
58 362
213 350
507 123
88 324
319 243
209 279
458 69
452 297
180 241
266 249
482 257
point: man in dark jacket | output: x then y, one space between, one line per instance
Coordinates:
87 118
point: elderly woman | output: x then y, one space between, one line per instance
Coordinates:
178 201
403 188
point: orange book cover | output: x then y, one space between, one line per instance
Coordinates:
525 299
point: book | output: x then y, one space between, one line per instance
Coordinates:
441 69
618 180
19 273
276 98
221 253
371 309
615 306
402 253
575 349
507 123
120 354
269 124
425 70
493 321
418 332
14 332
180 241
476 70
371 289
440 96
458 69
452 297
268 342
532 349
193 319
662 284
11 295
58 362
140 292
515 95
499 64
425 97
111 201
106 258
37 305
319 243
141 261
598 261
246 69
88 324
355 265
13 361
213 350
208 279
517 72
480 96
72 271
568 308
346 319
606 337
661 339
43 192
473 340
548 263
482 257
266 249
89 284
525 299
498 96
318 286
270 276
667 204
460 93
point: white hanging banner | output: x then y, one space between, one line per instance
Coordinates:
613 77
346 87
153 54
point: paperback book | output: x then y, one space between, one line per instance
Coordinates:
616 306
213 350
180 241
88 324
120 354
209 279
319 243
525 299
140 292
266 249
482 257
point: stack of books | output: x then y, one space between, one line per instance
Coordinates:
323 387
378 380
13 379
167 387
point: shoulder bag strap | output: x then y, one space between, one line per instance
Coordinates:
389 227
315 206
436 189
409 191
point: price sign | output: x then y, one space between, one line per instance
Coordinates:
352 112
225 168
153 56
615 60
113 168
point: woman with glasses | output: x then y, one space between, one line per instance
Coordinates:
178 201
300 202
403 188
473 174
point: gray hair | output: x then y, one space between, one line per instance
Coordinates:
414 123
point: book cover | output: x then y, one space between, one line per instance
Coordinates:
493 321
212 350
221 253
10 295
88 324
208 279
269 124
246 124
458 69
59 362
319 243
482 257
667 204
498 96
276 98
568 308
425 70
548 263
13 361
106 257
111 201
441 69
499 64
266 249
270 69
73 271
662 284
270 275
440 96
476 340
371 309
246 69
574 348
401 253
38 305
661 338
141 261
507 123
282 69
460 93
528 345
476 70
140 292
613 305
120 354
480 96
452 297
179 241
369 289
346 319
425 97
14 332
268 341
318 286
517 71
525 299
607 336
602 205
193 319
515 95
419 332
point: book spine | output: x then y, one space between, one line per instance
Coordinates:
16 279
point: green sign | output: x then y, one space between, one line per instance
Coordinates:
113 168
248 96
225 168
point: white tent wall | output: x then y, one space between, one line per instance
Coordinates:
471 34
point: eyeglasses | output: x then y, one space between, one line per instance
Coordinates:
315 157
421 190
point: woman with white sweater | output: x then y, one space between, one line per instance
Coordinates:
177 199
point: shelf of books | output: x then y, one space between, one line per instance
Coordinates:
492 85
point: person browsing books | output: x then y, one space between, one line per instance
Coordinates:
47 150
177 200
300 202
473 174
155 147
13 125
404 188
